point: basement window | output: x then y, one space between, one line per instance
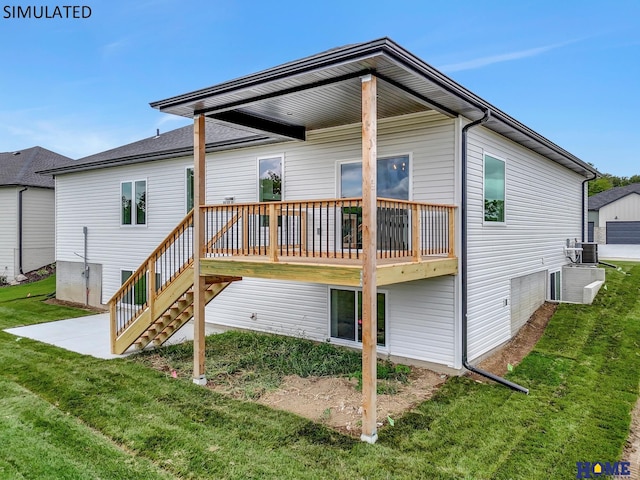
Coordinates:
133 197
555 286
139 294
346 315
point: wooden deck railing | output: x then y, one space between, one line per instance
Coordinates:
328 229
165 263
313 229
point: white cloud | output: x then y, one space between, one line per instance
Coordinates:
114 48
505 57
168 119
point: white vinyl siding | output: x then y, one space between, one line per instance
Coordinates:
8 231
419 323
38 228
91 199
311 167
543 210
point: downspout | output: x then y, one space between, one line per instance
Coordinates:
584 201
463 267
20 229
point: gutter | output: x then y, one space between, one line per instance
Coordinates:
584 201
20 229
463 267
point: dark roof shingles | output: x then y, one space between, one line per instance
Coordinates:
599 200
173 140
20 167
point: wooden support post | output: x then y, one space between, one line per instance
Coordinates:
113 316
452 237
151 283
199 286
273 233
245 230
369 254
415 233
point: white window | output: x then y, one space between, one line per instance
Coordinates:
270 179
138 294
392 178
133 202
346 315
555 286
189 189
494 189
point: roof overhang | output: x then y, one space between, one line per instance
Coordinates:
323 91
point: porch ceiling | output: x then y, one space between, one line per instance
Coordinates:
324 91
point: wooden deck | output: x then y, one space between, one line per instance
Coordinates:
345 272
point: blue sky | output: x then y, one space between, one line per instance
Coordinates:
568 69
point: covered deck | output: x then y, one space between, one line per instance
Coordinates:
320 241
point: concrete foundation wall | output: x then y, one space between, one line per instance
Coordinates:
574 280
70 284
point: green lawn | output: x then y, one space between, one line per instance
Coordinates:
23 304
64 415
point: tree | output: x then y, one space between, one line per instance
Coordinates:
608 181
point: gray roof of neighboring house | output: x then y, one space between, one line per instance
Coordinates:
175 143
19 168
599 200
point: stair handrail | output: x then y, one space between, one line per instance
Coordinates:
168 240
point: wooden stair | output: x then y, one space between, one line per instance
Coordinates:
157 299
172 308
178 314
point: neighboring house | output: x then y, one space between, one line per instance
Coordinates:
455 263
27 220
614 216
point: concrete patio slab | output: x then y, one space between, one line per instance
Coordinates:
87 335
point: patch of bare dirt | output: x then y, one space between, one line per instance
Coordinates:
40 274
336 402
631 452
81 306
519 346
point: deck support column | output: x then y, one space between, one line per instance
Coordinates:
199 286
369 252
